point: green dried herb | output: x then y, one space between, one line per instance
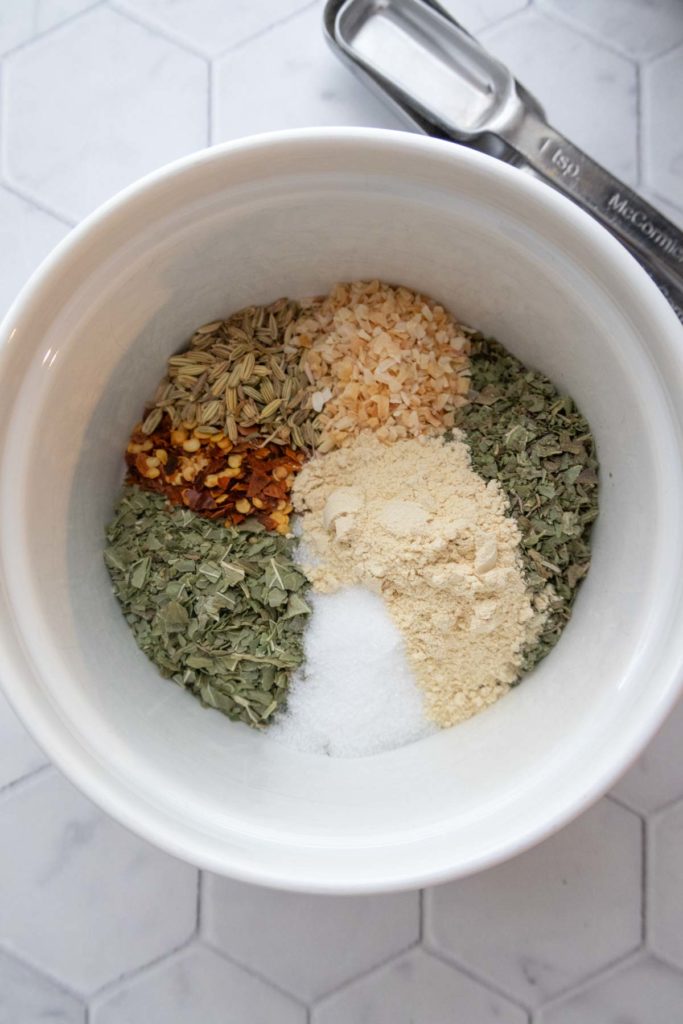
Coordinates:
219 610
522 432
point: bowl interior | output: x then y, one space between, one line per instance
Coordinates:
291 218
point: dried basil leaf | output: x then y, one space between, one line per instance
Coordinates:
220 610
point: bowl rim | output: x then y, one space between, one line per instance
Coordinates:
97 779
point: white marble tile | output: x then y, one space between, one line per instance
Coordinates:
550 917
289 78
311 943
640 992
28 997
20 20
82 898
19 755
211 26
656 778
662 126
639 28
665 884
96 104
673 212
478 14
26 236
196 986
588 92
416 989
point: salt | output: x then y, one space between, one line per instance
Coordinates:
356 694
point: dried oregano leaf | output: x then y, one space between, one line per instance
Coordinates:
522 432
220 610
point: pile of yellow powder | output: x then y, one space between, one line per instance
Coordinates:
413 521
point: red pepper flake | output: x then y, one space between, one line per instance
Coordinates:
209 474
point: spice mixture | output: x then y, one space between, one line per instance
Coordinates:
413 521
351 519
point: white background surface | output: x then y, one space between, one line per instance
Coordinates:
94 924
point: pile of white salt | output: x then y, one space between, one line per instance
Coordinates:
356 694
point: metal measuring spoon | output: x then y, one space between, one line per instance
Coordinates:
418 56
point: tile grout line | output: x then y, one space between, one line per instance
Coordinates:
455 964
679 207
156 30
663 958
17 784
643 72
159 32
480 979
653 58
3 114
366 973
557 17
670 804
589 980
132 973
250 970
644 868
482 33
65 22
182 42
264 31
210 86
620 802
505 19
560 18
209 101
37 203
617 800
639 128
645 813
54 980
200 890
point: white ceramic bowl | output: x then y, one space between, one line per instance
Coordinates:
293 213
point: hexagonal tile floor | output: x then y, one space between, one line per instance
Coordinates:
585 928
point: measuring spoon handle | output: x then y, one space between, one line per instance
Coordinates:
655 242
